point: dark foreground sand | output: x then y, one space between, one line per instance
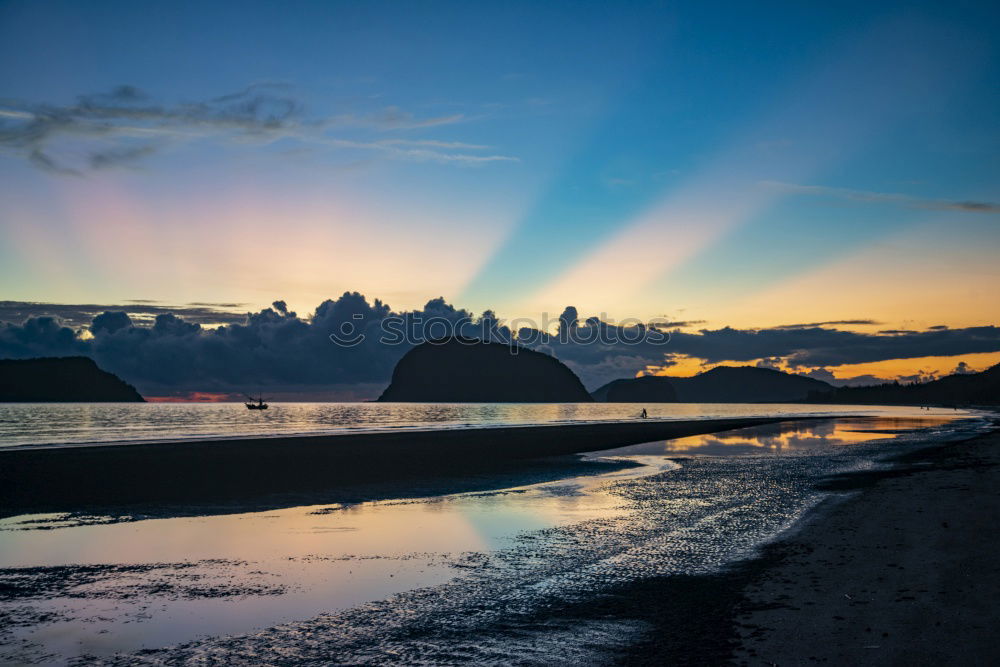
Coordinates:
905 573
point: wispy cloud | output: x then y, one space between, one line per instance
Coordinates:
813 325
424 150
125 125
887 198
391 118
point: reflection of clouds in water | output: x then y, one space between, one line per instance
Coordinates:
560 490
780 438
775 438
719 448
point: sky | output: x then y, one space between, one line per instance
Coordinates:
745 165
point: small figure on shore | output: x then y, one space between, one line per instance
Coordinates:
644 414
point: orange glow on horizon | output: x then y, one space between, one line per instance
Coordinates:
889 369
939 366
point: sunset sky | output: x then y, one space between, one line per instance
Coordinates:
750 165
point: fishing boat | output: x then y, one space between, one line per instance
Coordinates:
258 405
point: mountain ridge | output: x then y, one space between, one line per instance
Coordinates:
982 388
722 384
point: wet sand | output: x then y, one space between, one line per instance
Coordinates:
64 478
905 572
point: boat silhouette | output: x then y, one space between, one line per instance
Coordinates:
259 405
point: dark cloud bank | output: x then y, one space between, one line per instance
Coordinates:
166 351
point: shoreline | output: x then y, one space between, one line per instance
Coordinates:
898 567
226 469
902 572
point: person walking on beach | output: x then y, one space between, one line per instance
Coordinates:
644 414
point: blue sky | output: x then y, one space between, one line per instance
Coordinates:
709 160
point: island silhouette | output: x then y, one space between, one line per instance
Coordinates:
62 379
981 388
468 370
722 384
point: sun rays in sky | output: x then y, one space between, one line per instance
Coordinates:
743 168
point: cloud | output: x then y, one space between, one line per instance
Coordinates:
119 156
140 311
166 350
821 346
599 373
432 143
45 163
272 348
811 325
123 126
772 363
888 198
919 376
392 118
418 151
826 375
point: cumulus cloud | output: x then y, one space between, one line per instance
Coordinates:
599 373
272 348
826 375
350 341
772 363
123 126
889 198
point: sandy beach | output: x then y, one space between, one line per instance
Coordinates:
904 572
898 567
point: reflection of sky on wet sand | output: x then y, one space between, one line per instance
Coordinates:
784 437
278 565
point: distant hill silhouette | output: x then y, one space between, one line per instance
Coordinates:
648 389
464 370
970 389
61 379
723 384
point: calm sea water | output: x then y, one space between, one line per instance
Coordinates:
48 423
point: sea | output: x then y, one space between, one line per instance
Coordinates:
437 576
77 423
